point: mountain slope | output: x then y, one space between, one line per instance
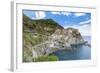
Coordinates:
36 32
42 26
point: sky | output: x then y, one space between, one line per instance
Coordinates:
79 20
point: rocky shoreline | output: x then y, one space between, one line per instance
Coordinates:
59 40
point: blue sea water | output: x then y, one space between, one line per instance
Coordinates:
82 52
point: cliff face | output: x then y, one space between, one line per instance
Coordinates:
69 35
59 40
45 36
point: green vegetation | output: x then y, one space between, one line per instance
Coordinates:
36 32
46 58
53 58
42 26
29 41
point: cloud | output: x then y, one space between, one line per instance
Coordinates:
66 13
56 13
79 14
39 15
76 14
85 22
85 30
62 13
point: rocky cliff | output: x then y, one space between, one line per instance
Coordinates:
69 35
59 40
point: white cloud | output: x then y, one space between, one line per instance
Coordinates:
69 13
79 14
39 15
85 22
62 13
66 13
56 13
85 30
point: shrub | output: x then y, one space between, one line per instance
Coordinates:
53 58
46 58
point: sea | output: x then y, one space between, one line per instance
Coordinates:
81 52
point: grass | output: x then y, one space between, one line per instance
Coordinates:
46 58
